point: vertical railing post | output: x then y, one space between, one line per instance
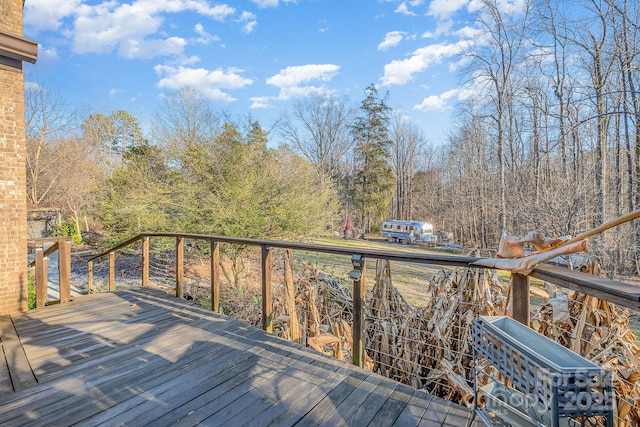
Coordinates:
145 261
41 279
358 276
89 277
179 267
215 276
267 303
64 269
520 297
112 271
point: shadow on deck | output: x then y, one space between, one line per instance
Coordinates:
140 357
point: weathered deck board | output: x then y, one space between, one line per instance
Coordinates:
16 360
211 397
6 386
347 407
333 399
415 408
142 357
394 405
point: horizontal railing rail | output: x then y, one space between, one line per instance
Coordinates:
621 293
448 260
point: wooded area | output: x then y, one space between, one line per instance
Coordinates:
547 140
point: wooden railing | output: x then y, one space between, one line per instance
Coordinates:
617 292
63 246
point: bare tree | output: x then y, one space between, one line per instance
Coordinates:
469 189
406 142
319 130
595 43
553 26
76 192
112 134
188 127
494 63
50 141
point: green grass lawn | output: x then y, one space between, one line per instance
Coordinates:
410 279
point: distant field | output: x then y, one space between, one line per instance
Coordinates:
409 279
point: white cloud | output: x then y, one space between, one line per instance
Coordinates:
262 4
266 3
445 8
508 7
189 60
444 26
113 92
403 6
40 15
294 75
131 28
468 32
249 20
437 102
210 83
303 92
101 28
246 16
513 7
404 10
46 54
260 102
250 27
205 38
391 39
218 12
431 103
32 86
150 48
292 80
399 72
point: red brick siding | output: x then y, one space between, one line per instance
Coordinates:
13 187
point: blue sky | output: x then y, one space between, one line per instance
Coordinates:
253 57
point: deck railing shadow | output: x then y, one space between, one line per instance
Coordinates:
130 373
128 383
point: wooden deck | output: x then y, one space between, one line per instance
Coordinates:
140 357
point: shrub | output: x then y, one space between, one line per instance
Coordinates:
68 228
31 290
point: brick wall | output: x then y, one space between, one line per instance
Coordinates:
13 204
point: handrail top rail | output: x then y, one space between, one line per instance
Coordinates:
451 260
119 246
615 291
49 239
618 292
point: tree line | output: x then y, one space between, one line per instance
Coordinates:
547 138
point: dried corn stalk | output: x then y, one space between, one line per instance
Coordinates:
294 325
430 347
386 310
321 317
599 331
